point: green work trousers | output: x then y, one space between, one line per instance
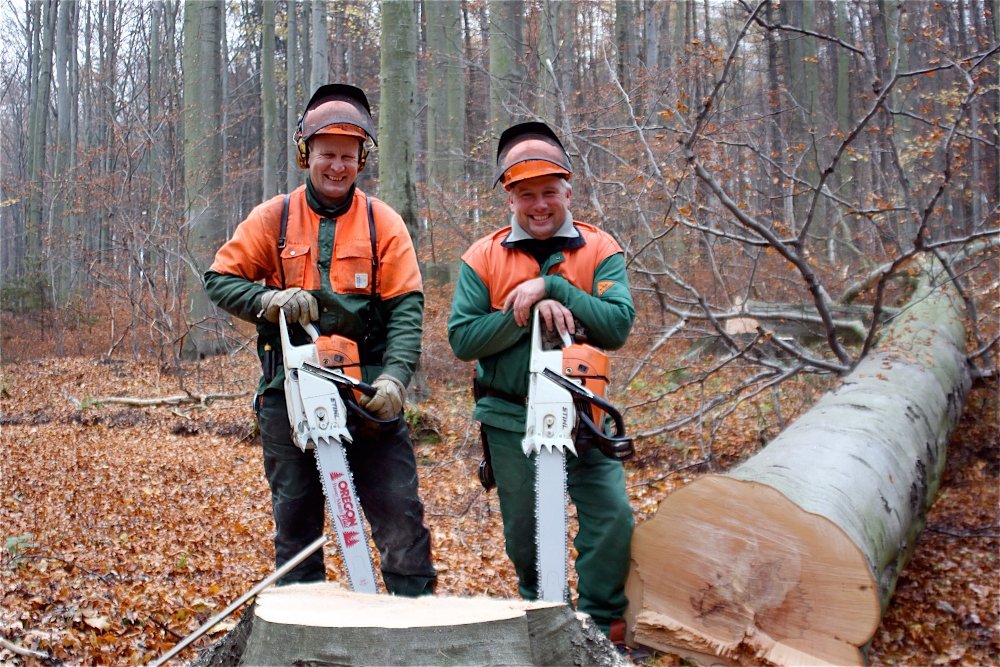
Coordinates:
596 485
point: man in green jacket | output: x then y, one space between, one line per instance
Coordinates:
574 275
328 253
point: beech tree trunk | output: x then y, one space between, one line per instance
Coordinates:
324 624
792 557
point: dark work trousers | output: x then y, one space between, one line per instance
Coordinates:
385 476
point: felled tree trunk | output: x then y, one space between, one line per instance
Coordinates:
323 624
791 557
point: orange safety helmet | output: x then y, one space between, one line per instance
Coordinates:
336 108
527 150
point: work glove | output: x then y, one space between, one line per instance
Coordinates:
389 397
299 305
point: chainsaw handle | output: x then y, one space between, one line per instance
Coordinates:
311 330
617 446
355 407
366 389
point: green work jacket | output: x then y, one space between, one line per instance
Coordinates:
478 331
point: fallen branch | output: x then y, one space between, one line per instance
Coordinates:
187 398
974 532
28 653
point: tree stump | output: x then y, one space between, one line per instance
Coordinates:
792 557
324 624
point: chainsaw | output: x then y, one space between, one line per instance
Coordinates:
566 413
322 386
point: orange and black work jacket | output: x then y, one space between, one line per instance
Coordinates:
586 274
332 258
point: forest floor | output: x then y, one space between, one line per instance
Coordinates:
126 527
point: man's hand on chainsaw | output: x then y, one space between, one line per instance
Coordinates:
531 293
299 305
388 399
556 317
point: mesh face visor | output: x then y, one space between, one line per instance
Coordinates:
529 150
337 109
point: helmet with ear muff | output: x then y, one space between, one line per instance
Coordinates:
336 108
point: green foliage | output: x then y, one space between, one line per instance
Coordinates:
26 294
15 548
665 383
422 426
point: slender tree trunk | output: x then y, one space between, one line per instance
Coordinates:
397 112
320 66
655 15
39 133
339 21
64 152
268 103
552 53
203 26
292 175
506 68
625 42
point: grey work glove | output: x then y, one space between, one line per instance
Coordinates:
388 402
299 305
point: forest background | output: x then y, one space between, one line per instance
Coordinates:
773 170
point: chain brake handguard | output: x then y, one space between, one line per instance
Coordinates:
617 445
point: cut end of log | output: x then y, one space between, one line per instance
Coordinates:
751 578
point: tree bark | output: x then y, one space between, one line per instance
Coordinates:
293 177
268 104
320 61
204 24
792 557
323 624
506 69
397 111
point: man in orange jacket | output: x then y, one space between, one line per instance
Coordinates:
573 274
328 253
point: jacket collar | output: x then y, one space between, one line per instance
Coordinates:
517 233
324 212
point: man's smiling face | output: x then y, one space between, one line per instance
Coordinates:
333 166
540 204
